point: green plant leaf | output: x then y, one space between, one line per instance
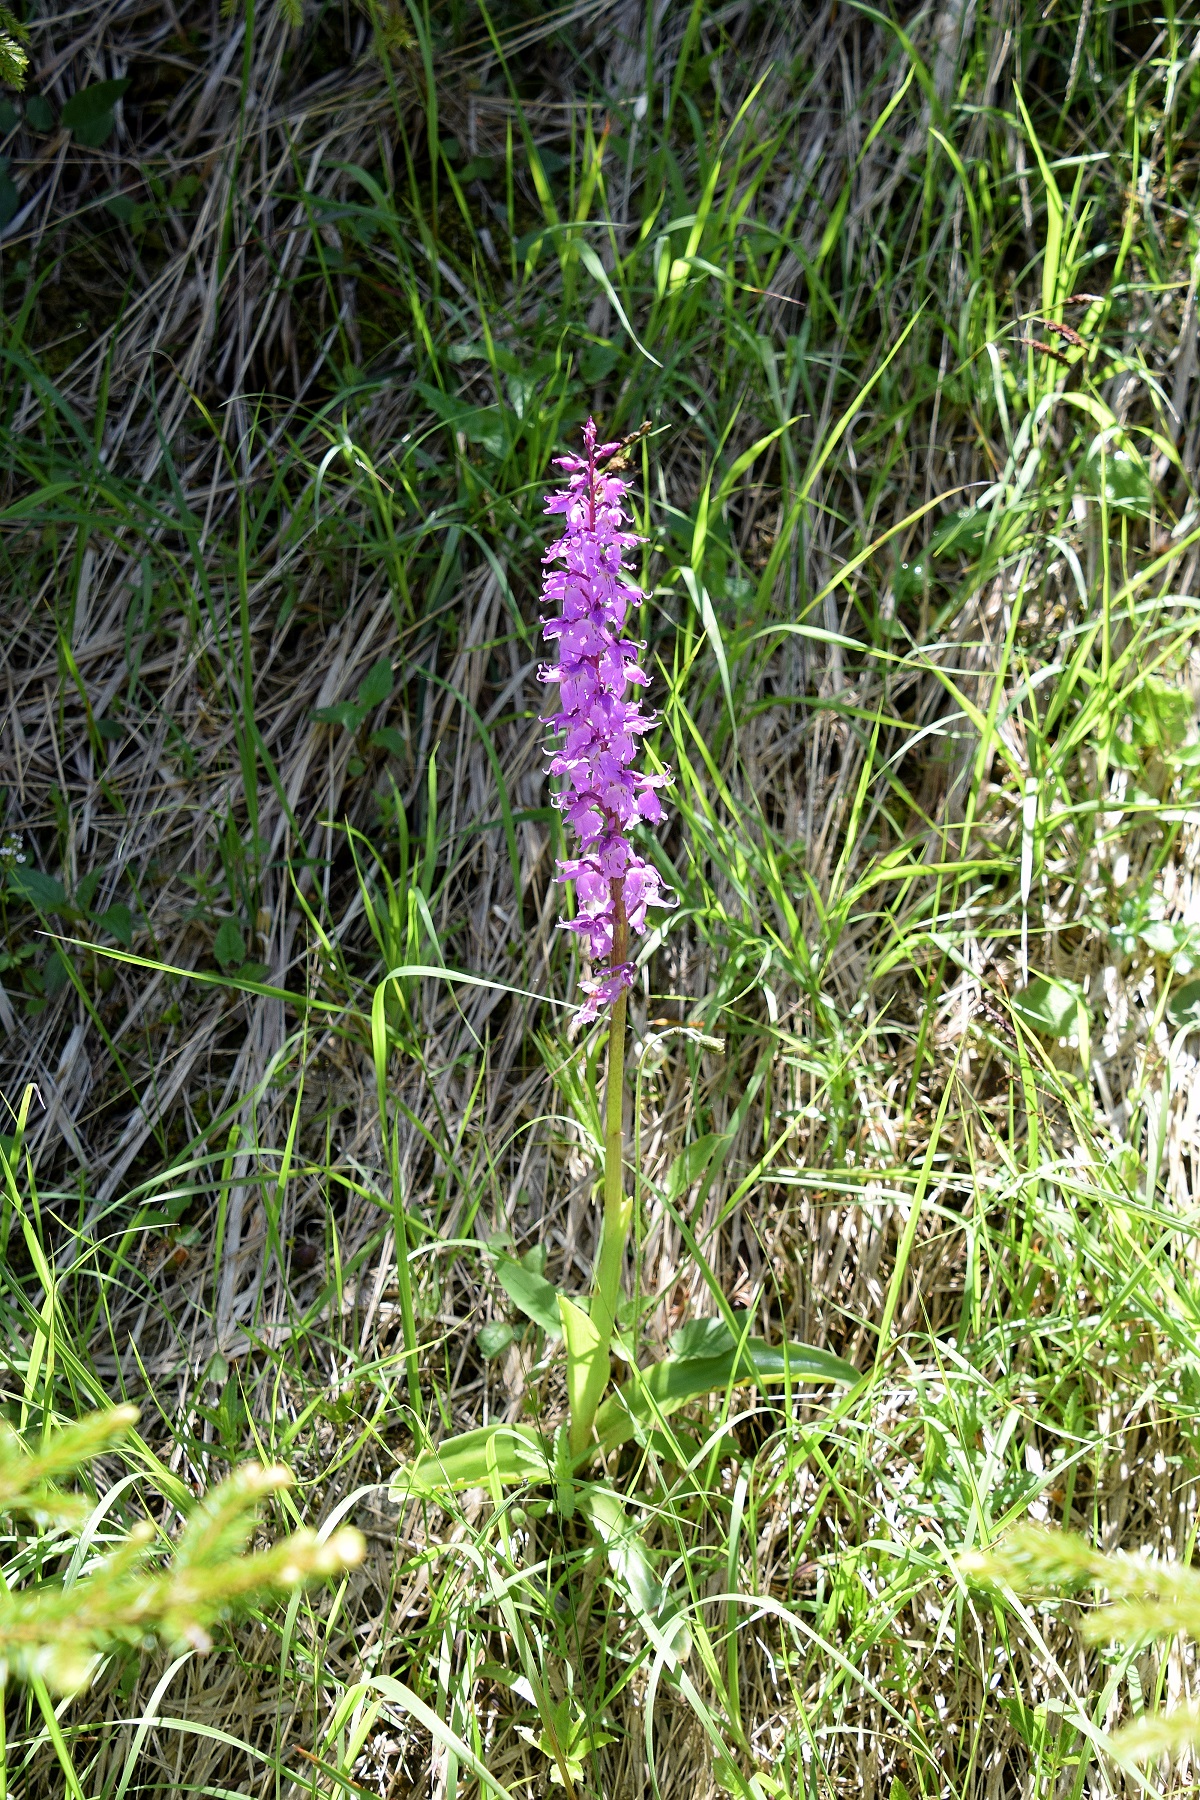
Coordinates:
58 973
1184 1006
911 578
962 534
587 1370
39 115
1160 937
536 1297
493 1338
692 1162
1051 1006
342 712
482 425
376 685
629 1560
45 892
85 890
1122 475
90 114
675 1381
1161 714
704 1337
117 920
390 739
466 1461
229 946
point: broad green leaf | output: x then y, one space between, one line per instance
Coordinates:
677 1380
570 1746
376 685
58 973
962 534
518 1454
229 946
482 425
1052 1006
536 1297
85 890
389 738
342 712
1122 476
704 1337
493 1338
1160 937
1184 1006
43 891
1161 714
90 115
117 920
587 1370
911 578
657 1610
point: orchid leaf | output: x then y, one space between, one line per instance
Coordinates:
45 892
513 1452
587 1370
656 1608
676 1380
705 1337
519 1454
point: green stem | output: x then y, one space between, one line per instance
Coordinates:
618 1210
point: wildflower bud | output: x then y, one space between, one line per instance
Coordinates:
603 795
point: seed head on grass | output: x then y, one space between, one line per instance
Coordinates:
587 584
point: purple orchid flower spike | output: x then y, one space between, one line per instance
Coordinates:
587 584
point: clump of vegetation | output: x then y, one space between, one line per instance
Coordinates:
57 1633
1147 1598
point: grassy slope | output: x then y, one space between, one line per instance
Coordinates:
291 414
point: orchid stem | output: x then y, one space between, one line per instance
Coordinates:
618 1209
